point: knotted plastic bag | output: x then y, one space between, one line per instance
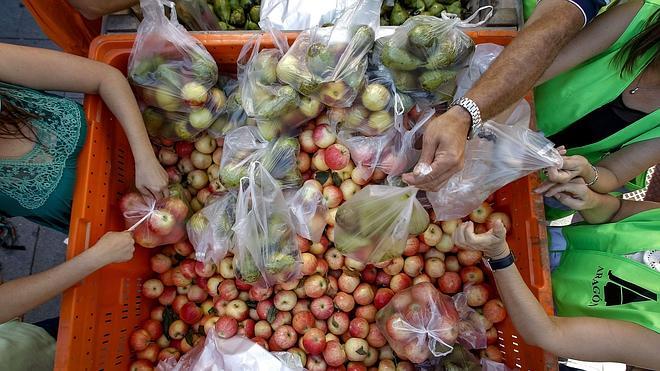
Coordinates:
266 252
236 353
210 229
245 145
374 224
277 107
496 156
154 222
424 56
173 75
329 63
309 211
419 322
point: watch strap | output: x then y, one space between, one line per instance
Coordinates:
475 114
502 263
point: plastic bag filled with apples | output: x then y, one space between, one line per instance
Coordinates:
419 322
266 250
423 56
232 115
173 75
236 353
496 156
375 223
246 145
329 63
210 229
309 210
277 107
154 222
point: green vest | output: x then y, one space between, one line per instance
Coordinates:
595 279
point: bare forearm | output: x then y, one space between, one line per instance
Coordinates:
24 294
93 9
523 62
117 95
611 209
623 165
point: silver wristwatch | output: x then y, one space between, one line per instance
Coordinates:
471 107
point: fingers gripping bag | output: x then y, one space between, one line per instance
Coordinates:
245 145
154 222
374 224
419 322
424 55
309 211
494 157
236 353
174 76
266 251
277 107
329 63
210 229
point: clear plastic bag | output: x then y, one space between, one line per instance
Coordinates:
496 156
197 15
481 59
460 359
173 75
236 353
471 333
210 229
266 251
301 14
423 56
277 107
232 115
419 322
309 211
154 222
329 63
245 145
374 224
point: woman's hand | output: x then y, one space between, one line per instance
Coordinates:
573 167
574 194
150 177
113 247
492 243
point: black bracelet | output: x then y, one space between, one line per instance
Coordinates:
496 264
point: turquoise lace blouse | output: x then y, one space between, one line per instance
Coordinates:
39 185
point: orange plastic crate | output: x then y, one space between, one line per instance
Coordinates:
98 315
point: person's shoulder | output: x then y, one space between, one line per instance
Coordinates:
590 8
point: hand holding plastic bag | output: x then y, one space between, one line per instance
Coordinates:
174 76
154 222
374 224
266 251
210 229
236 353
309 211
496 156
329 63
419 322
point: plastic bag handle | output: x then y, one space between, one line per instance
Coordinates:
172 6
151 202
466 23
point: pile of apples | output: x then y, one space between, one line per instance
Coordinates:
327 317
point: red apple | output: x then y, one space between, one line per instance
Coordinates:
452 264
493 353
318 163
494 311
150 353
183 248
226 268
369 274
413 265
348 189
167 353
226 327
382 297
367 312
333 286
361 175
183 149
358 328
152 288
400 282
375 338
281 319
332 196
227 290
446 243
204 269
469 257
157 313
303 321
356 349
480 214
334 354
383 279
334 258
395 266
177 330
162 222
313 341
160 263
246 328
309 264
450 283
434 267
431 235
237 309
344 301
168 296
316 363
307 141
258 292
179 302
301 306
337 156
285 337
338 323
472 275
477 295
197 294
348 281
141 365
412 247
323 136
363 294
139 339
502 217
449 226
262 329
491 336
190 313
285 300
322 307
315 286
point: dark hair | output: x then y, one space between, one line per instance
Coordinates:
634 49
15 121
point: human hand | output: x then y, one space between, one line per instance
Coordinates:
492 243
442 150
113 247
574 194
150 178
573 167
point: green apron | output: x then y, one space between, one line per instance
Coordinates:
570 96
595 279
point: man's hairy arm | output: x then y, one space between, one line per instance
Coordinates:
515 71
